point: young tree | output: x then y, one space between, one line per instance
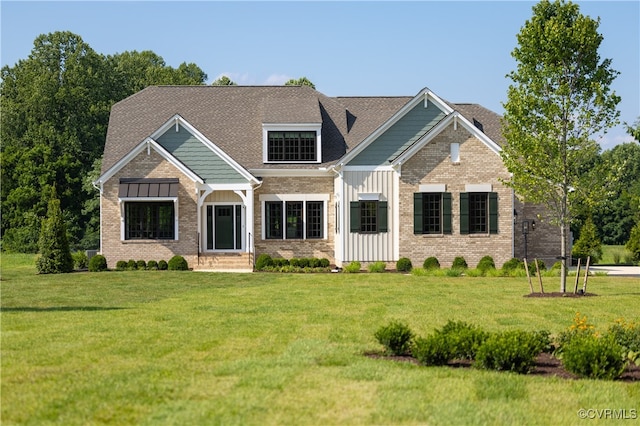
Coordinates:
224 81
55 255
560 96
588 244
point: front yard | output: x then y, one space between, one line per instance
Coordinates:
163 347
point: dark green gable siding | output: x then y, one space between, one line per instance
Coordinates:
197 157
400 136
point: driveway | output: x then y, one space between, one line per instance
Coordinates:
621 271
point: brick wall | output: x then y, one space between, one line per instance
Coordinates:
478 165
115 249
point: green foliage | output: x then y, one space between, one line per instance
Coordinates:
80 259
513 350
178 263
588 244
55 255
98 263
396 337
513 264
352 267
633 245
302 81
121 265
404 265
324 263
486 263
431 263
263 261
132 265
459 263
627 335
152 265
141 265
463 339
163 265
588 355
224 81
432 350
377 267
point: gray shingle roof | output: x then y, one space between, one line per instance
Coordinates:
232 117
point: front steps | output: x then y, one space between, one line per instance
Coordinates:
224 262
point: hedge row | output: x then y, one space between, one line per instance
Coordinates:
98 263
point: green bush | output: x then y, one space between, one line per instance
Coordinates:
588 244
377 267
513 350
98 263
121 265
459 263
152 265
53 245
141 265
404 265
80 260
627 335
324 263
633 245
432 350
486 263
263 261
431 263
587 355
352 267
396 337
279 262
178 263
463 339
162 265
132 265
512 265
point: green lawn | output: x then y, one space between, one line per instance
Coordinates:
189 348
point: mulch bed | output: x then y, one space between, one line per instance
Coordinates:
545 366
559 294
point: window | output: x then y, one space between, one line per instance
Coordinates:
303 219
368 216
292 146
432 213
478 213
149 220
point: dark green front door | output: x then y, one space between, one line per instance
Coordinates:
224 227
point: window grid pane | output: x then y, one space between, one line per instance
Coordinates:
315 224
368 216
149 220
291 146
478 216
273 220
433 213
294 219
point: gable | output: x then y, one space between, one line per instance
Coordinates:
415 123
190 151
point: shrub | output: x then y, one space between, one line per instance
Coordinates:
132 265
141 264
486 263
633 245
263 261
588 244
463 339
352 267
587 355
53 245
396 337
513 350
152 265
512 265
98 263
279 262
404 265
80 260
627 335
431 263
324 262
377 267
178 263
459 263
432 350
121 265
163 265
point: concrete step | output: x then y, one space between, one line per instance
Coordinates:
225 262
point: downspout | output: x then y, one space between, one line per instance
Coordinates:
100 190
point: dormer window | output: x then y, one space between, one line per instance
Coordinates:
291 143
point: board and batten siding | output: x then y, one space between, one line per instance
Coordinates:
198 157
381 246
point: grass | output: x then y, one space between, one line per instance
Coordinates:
203 348
615 255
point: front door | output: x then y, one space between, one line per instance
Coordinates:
224 227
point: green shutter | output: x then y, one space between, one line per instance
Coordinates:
464 212
446 213
382 216
418 222
355 216
493 212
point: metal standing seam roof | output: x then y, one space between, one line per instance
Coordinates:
231 117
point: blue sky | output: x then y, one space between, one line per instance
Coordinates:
460 50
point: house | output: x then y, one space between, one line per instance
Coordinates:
220 174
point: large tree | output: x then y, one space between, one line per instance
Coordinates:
560 97
55 112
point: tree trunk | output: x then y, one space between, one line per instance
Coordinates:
563 256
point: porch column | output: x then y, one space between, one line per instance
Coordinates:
250 235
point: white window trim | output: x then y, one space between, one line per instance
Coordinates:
264 198
302 127
432 187
123 200
478 187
